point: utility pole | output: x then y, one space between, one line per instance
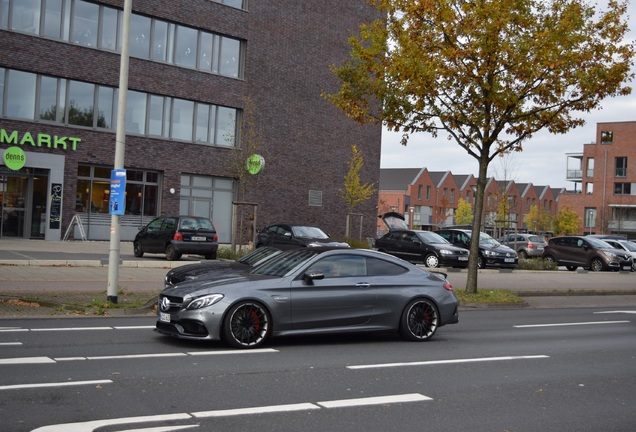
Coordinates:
120 150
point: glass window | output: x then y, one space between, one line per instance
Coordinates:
53 19
48 100
1 88
155 120
186 47
21 94
226 127
182 119
233 3
590 217
85 19
81 99
26 16
229 58
133 197
205 51
607 137
139 36
136 112
4 13
105 103
159 40
110 28
621 167
203 120
151 194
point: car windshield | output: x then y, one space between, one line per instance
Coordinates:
258 255
432 238
629 246
309 232
284 263
535 239
485 239
196 224
599 243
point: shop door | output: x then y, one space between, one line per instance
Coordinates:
13 197
38 206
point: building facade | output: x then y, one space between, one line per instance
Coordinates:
604 175
208 82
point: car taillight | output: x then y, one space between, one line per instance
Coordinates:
448 286
531 246
177 236
216 237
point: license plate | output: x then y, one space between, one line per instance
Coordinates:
627 268
197 238
509 260
462 259
164 317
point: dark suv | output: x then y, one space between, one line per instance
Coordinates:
491 252
587 252
177 235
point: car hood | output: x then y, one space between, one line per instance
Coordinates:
205 267
314 242
214 284
499 248
394 220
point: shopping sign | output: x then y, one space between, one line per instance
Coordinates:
117 200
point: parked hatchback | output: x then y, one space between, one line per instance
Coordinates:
526 245
627 246
176 236
419 246
587 252
288 236
491 252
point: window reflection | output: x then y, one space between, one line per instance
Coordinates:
53 19
139 36
203 119
159 40
85 18
21 94
229 63
155 119
48 99
186 47
136 112
26 16
110 22
105 103
80 100
226 126
182 119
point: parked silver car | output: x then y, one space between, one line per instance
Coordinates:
526 245
627 246
310 290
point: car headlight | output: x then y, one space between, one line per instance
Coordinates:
314 244
445 252
204 301
490 253
610 255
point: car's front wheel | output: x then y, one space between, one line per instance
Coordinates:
481 262
549 260
419 320
171 253
246 325
431 260
596 264
137 250
571 267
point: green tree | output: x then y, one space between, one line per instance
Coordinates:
489 73
567 221
464 213
354 192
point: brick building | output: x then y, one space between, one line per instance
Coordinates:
605 178
196 66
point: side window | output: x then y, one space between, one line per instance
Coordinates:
155 225
169 224
410 238
445 235
341 266
379 267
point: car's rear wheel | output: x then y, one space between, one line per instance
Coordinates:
549 260
596 264
171 253
210 255
419 320
431 260
523 254
571 267
481 262
137 250
246 325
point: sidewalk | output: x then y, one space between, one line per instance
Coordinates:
43 279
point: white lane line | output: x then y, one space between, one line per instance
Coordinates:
96 424
26 360
571 324
344 403
18 329
42 360
10 343
617 312
58 384
256 410
441 362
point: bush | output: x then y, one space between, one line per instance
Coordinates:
535 264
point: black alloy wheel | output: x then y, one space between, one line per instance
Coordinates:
419 320
137 250
246 325
596 265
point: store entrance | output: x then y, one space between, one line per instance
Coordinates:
23 203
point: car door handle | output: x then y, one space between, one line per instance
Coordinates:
363 285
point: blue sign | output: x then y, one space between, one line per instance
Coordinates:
117 200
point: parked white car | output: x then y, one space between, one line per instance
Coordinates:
626 245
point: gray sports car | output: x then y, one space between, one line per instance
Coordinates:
310 290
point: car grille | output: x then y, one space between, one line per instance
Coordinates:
169 304
185 328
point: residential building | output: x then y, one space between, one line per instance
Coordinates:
208 80
604 175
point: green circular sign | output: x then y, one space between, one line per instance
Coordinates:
255 164
14 158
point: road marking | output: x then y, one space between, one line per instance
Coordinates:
10 343
441 362
344 403
19 329
617 312
256 410
59 384
571 324
96 424
43 360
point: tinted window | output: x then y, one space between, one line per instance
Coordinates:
379 267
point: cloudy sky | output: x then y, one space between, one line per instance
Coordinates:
543 160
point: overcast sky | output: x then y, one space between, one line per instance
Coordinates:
542 162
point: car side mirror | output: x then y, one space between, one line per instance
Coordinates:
311 276
287 234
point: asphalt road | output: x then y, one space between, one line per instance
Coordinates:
497 370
